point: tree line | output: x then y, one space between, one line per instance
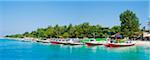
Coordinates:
129 26
71 31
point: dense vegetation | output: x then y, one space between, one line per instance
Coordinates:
81 30
129 25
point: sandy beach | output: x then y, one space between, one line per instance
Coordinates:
142 43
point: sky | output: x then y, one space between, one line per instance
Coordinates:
21 16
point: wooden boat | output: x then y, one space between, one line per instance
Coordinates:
74 42
119 44
45 41
95 42
124 44
64 41
59 41
55 41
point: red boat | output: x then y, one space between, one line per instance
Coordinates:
119 44
57 41
93 44
54 42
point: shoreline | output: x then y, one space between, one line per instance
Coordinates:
142 43
137 42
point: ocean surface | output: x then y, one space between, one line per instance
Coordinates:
18 50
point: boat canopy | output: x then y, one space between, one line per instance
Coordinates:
88 39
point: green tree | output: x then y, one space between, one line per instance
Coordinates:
129 23
41 32
71 30
49 32
66 35
34 34
26 34
115 29
85 27
15 36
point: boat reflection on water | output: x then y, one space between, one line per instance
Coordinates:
95 48
70 46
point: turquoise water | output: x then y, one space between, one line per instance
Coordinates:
18 50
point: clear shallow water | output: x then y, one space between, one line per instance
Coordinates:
17 50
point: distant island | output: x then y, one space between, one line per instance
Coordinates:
129 27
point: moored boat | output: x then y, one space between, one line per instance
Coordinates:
55 41
59 41
75 41
95 42
45 41
64 41
119 44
